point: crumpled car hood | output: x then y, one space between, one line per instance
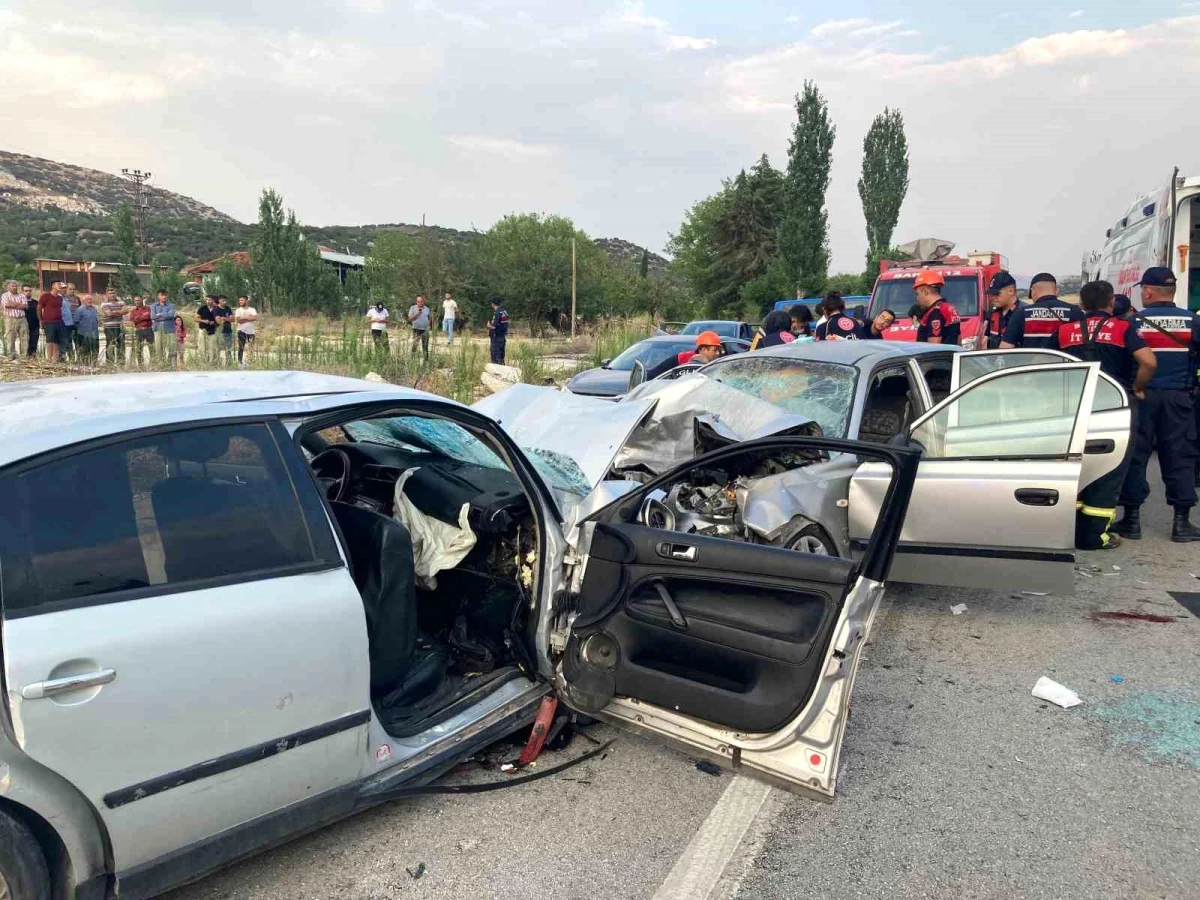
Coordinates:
655 428
588 430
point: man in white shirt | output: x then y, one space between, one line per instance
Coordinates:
449 314
377 315
245 316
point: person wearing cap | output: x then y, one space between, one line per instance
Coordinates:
1002 293
1123 356
939 322
498 331
1036 326
708 348
838 326
1166 417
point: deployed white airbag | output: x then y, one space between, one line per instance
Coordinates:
437 545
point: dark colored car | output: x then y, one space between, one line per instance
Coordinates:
726 328
657 354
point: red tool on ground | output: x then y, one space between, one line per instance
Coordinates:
541 729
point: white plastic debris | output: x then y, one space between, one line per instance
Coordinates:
1035 593
374 376
958 608
1051 690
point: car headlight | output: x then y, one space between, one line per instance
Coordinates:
971 343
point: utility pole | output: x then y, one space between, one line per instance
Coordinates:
141 206
572 288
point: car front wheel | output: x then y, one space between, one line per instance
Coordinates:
23 872
809 538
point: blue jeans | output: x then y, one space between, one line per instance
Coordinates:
448 327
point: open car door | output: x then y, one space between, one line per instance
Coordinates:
1108 432
994 498
724 647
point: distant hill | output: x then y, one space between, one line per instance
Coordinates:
56 210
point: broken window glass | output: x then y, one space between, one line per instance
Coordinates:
821 391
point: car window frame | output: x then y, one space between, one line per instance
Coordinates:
279 437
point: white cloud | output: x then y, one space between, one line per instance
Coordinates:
794 20
683 42
838 26
1075 14
634 15
496 145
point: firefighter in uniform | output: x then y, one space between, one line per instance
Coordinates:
1036 325
1123 355
498 330
838 326
1002 292
939 322
1166 418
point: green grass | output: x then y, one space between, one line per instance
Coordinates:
611 338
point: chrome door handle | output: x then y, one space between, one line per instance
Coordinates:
65 685
680 552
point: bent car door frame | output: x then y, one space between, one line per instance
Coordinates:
800 749
978 521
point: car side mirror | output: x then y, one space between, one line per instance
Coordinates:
604 363
638 375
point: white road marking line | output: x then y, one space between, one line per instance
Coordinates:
704 859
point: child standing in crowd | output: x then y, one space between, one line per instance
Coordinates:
180 338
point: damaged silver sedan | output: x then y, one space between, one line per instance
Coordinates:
1007 437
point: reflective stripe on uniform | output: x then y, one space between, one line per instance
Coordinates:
1098 511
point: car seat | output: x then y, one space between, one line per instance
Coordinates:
404 667
886 413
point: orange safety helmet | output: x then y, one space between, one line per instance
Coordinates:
708 339
929 277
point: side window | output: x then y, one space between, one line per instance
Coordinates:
888 407
1027 413
937 378
168 509
972 366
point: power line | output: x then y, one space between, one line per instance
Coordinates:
141 206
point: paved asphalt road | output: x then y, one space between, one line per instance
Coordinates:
955 783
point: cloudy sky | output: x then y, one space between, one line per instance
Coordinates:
1031 125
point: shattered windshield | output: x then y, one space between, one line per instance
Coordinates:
446 438
821 391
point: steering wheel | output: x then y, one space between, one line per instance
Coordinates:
332 468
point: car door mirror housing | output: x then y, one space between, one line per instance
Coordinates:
604 363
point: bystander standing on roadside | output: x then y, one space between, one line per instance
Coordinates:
74 300
32 323
66 343
225 321
419 318
143 331
206 327
449 317
112 317
162 314
87 331
802 323
16 327
50 314
498 331
377 315
245 315
180 334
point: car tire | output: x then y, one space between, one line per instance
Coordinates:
808 537
23 869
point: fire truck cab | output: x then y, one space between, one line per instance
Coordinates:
966 290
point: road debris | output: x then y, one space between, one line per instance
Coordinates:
1059 695
708 768
1117 679
958 608
415 871
1036 593
1189 600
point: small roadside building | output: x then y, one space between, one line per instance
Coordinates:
88 277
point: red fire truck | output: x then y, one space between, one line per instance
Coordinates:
966 289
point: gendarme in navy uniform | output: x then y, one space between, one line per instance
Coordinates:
498 330
1003 304
1166 418
1036 326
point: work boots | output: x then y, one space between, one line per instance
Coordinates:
1182 530
1130 525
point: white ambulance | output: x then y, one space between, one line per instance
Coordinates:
1161 228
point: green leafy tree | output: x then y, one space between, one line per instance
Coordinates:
644 265
847 283
229 279
287 274
526 259
884 182
695 254
804 235
128 282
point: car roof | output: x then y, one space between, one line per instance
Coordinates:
852 353
683 338
41 415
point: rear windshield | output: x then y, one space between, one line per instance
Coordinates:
724 329
961 290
